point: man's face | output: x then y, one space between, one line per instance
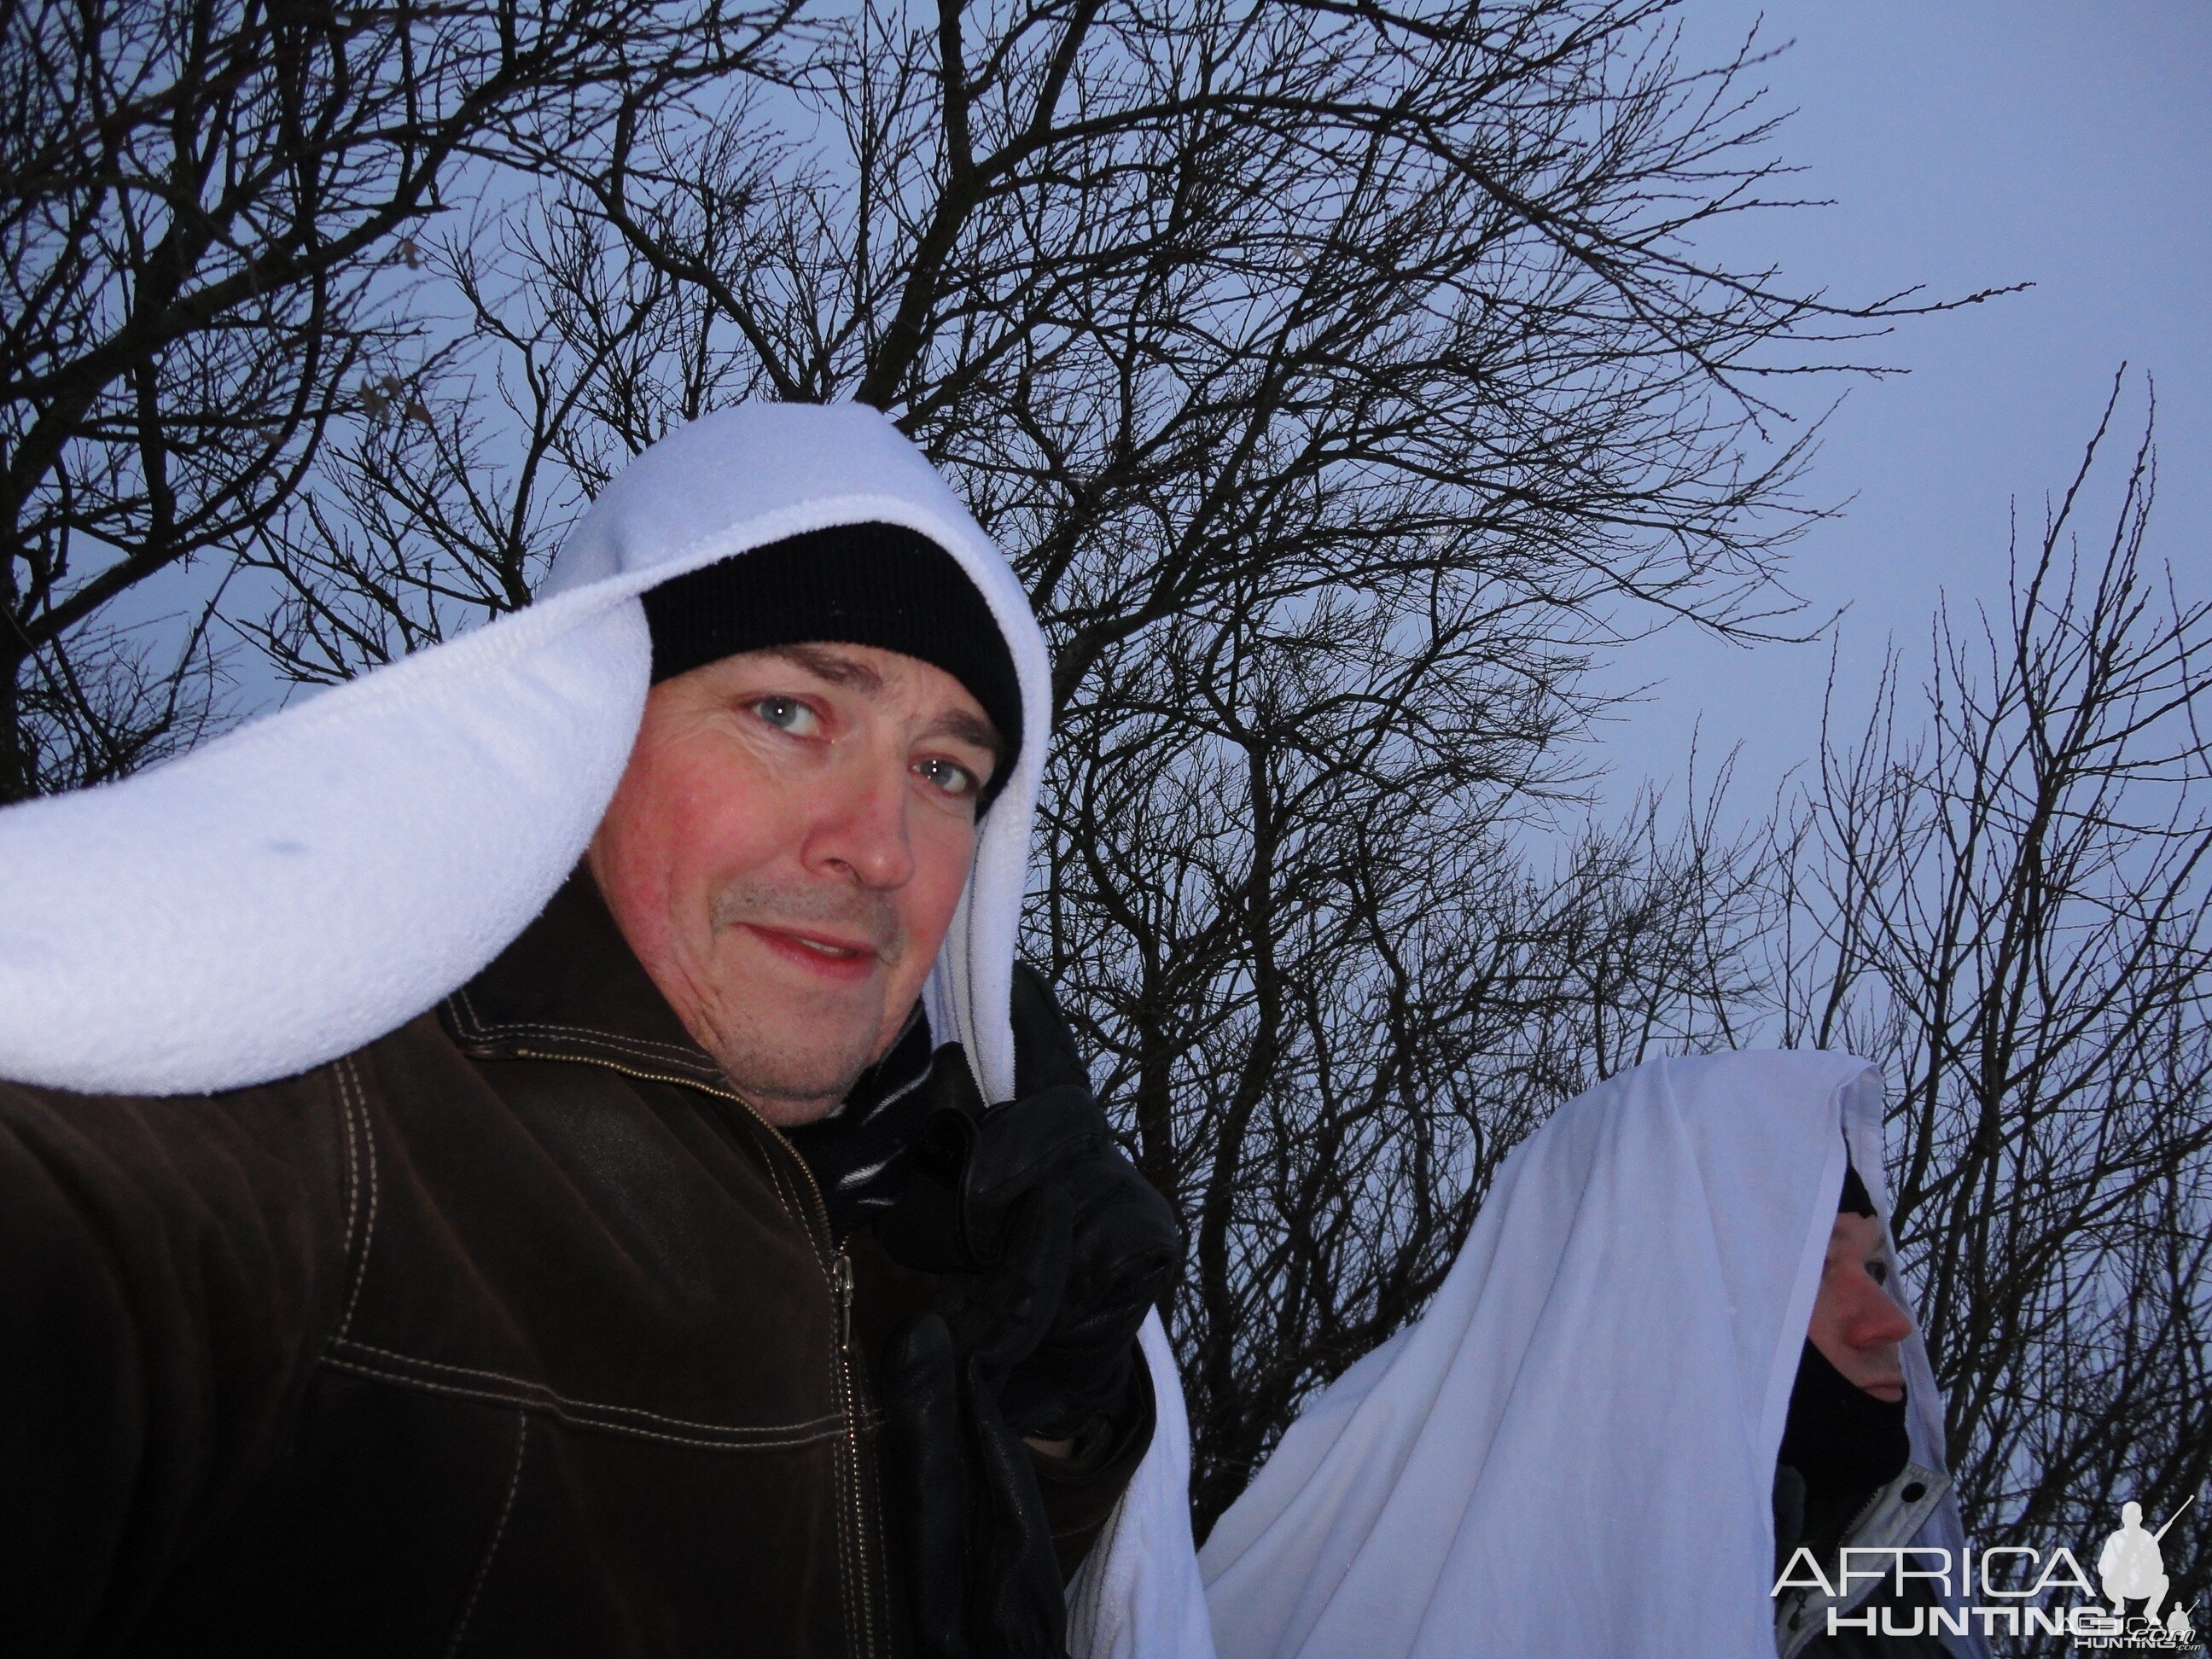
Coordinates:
1855 1325
784 853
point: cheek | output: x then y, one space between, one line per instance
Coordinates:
627 853
1833 1311
1824 1315
684 820
942 854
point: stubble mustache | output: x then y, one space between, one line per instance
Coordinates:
850 911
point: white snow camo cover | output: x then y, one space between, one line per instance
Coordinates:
1569 1455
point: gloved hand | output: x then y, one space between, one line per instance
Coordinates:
973 1166
1050 1247
986 1581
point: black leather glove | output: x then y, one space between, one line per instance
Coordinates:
986 1582
973 1166
1050 1247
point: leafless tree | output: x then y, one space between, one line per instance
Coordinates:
1343 1048
208 211
2011 909
1343 381
1340 380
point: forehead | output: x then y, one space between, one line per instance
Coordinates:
1855 1232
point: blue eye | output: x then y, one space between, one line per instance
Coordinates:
952 779
787 715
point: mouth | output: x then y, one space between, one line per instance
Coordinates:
842 960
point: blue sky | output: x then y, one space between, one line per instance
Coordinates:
1966 144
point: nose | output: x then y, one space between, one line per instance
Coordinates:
861 828
1870 1319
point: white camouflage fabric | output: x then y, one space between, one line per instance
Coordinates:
1572 1452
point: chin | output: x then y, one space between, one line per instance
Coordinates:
779 1052
785 1094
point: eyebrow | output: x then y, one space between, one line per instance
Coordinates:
827 664
967 728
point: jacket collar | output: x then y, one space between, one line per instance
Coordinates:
570 988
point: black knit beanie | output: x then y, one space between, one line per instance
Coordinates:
1856 1199
856 583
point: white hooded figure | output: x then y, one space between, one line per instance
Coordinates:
282 896
1573 1452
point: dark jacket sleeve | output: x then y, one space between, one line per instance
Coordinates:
167 1269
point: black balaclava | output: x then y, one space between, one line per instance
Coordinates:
1838 1436
855 583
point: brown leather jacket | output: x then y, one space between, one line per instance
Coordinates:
514 1332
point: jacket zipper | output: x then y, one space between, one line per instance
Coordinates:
838 1269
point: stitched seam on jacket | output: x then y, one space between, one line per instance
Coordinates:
539 1391
498 1532
607 1040
350 1083
665 1052
848 1496
577 1417
478 1029
848 1582
465 1014
352 1164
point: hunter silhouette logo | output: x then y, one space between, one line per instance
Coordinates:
2007 1590
2130 1566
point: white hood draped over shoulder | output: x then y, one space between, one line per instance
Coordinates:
1572 1453
288 893
304 885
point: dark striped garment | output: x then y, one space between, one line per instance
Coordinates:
859 1153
